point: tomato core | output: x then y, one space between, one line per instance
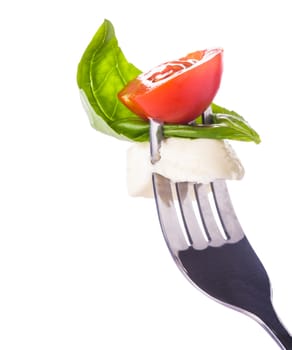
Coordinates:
168 70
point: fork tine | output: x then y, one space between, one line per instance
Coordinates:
226 211
193 229
207 216
167 213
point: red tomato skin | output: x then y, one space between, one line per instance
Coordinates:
181 98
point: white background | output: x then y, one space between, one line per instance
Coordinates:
83 265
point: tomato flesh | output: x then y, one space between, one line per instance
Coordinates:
177 91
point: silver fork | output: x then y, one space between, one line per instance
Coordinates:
209 246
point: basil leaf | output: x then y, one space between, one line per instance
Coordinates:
232 127
103 71
224 126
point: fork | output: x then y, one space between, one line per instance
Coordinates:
209 246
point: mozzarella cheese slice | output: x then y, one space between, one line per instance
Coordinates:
193 160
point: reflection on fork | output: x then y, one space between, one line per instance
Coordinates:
210 247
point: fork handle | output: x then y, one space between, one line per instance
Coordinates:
275 328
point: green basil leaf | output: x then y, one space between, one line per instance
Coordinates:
232 127
224 126
103 71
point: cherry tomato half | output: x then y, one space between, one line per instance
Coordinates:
176 91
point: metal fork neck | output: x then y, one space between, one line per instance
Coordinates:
275 327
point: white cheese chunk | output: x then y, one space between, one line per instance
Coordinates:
199 160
